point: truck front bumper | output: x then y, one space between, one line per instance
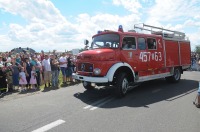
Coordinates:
90 79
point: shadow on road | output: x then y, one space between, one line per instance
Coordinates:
147 93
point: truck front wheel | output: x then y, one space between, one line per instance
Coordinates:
122 84
87 85
176 77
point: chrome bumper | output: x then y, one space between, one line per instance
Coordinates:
90 79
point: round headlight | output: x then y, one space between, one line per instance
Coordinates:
97 71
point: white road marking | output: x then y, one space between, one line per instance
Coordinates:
99 103
95 103
49 126
155 91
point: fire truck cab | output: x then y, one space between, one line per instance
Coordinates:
123 59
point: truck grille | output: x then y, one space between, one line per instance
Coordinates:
85 67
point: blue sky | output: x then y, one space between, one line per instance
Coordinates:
91 7
63 25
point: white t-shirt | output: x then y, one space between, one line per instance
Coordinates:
8 59
46 65
39 57
63 59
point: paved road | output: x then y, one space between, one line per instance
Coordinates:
155 106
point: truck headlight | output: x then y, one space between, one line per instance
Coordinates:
97 71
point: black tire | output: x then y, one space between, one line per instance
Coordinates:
176 77
87 85
122 84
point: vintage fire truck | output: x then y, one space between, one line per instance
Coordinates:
124 59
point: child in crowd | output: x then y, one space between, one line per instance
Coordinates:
22 80
33 81
9 74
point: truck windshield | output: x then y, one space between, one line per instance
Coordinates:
105 41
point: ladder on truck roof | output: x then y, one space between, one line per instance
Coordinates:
165 33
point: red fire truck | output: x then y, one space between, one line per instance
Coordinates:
124 59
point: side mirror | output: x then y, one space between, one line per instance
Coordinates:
86 42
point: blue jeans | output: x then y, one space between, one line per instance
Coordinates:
63 70
54 80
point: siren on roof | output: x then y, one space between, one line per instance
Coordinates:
98 32
120 29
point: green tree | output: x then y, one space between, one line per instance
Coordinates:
197 49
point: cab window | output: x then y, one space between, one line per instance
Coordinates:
151 42
105 41
129 43
141 44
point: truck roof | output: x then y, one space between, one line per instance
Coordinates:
155 32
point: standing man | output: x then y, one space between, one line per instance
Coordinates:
54 71
69 69
47 70
63 66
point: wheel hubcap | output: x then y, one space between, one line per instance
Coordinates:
85 83
125 85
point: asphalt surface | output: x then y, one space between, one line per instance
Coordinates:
154 106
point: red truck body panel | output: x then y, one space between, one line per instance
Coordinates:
177 53
185 53
172 53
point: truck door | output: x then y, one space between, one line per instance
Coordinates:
143 54
129 53
155 53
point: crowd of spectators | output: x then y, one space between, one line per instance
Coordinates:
195 61
23 71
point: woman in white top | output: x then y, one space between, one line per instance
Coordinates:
63 66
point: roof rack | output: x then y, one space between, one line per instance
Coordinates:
166 33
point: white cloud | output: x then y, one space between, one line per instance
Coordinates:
176 15
170 10
48 29
89 25
33 10
131 5
194 37
190 22
197 17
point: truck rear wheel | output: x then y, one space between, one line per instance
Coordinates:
87 85
176 77
122 84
